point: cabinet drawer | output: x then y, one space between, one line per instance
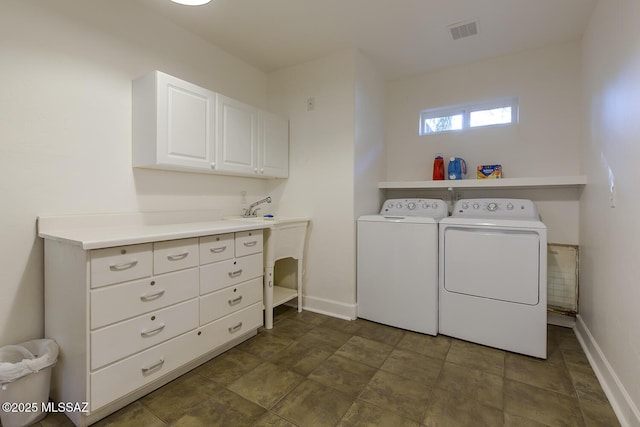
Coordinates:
216 248
230 327
248 242
120 264
175 255
222 274
123 339
121 378
218 304
118 302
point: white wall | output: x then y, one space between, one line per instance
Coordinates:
65 129
610 237
370 158
320 184
544 143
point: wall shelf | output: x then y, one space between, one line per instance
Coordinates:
505 183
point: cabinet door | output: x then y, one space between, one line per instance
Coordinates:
186 124
237 129
274 147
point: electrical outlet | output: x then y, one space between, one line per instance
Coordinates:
311 104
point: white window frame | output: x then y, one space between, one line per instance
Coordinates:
465 110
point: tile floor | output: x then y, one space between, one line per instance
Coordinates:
314 370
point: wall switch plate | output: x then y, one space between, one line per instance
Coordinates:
311 104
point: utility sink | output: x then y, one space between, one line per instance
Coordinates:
284 238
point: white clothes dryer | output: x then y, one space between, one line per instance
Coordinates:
397 264
493 275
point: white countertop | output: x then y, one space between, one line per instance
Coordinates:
102 231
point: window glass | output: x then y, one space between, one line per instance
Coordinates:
451 118
441 124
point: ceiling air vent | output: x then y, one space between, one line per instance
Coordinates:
461 30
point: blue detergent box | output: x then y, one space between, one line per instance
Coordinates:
490 172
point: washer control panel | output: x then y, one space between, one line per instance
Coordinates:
496 208
432 208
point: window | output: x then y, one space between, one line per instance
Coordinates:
496 112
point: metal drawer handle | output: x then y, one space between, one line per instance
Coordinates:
153 331
236 328
177 257
235 300
152 296
235 273
218 250
156 365
120 267
250 244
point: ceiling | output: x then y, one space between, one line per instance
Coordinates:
400 37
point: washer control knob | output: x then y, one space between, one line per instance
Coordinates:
399 206
411 206
510 206
435 205
465 206
425 205
476 206
390 205
492 207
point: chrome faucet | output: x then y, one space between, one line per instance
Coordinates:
252 211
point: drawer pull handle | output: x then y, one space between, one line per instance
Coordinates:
152 296
120 267
250 244
235 300
158 364
235 329
218 250
153 331
177 257
235 273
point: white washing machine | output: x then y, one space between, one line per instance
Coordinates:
397 264
493 275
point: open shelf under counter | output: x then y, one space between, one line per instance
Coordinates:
506 183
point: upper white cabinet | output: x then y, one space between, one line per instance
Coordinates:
250 141
173 124
180 126
237 141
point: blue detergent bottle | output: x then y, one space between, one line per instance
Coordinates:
457 168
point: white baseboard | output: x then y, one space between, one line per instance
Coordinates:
626 411
329 307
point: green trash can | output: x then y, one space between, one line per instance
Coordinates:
25 379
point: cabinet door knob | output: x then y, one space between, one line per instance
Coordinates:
213 165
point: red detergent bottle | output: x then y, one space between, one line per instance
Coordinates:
438 168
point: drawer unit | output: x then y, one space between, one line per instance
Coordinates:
222 274
125 338
120 264
219 304
114 303
130 318
216 248
175 255
248 242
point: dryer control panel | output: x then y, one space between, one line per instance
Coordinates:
431 208
496 208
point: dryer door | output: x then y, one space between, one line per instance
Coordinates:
493 263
